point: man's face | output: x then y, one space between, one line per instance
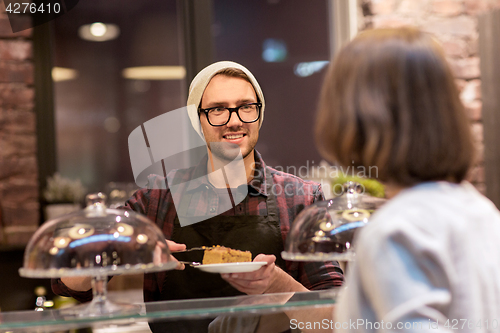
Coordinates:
231 92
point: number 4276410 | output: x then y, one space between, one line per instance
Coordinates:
459 324
33 8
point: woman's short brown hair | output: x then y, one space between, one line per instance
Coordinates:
389 101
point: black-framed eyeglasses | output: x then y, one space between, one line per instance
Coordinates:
219 116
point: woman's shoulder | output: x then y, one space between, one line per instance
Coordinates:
431 212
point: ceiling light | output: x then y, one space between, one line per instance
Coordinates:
305 69
274 50
98 29
98 32
155 73
63 74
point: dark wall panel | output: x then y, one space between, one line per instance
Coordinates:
489 48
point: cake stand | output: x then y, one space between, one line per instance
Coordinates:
325 230
97 243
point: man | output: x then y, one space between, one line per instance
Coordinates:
228 112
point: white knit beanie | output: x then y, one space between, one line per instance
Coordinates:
200 82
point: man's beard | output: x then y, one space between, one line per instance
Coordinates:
228 151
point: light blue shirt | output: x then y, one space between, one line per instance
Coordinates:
428 261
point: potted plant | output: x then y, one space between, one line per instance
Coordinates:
370 186
63 196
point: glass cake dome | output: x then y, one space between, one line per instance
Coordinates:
96 242
325 230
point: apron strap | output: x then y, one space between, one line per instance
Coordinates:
272 205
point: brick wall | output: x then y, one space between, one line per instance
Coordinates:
454 23
19 198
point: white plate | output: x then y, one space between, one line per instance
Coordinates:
232 267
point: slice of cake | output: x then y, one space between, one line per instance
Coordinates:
221 254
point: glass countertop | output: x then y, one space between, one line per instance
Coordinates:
55 320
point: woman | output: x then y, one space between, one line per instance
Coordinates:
430 257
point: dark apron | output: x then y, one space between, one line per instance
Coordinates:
257 234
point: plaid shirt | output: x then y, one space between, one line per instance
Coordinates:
292 195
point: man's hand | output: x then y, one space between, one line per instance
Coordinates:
174 247
257 282
268 279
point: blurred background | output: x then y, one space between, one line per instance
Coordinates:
98 107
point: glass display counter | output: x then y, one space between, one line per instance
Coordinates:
101 242
314 306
